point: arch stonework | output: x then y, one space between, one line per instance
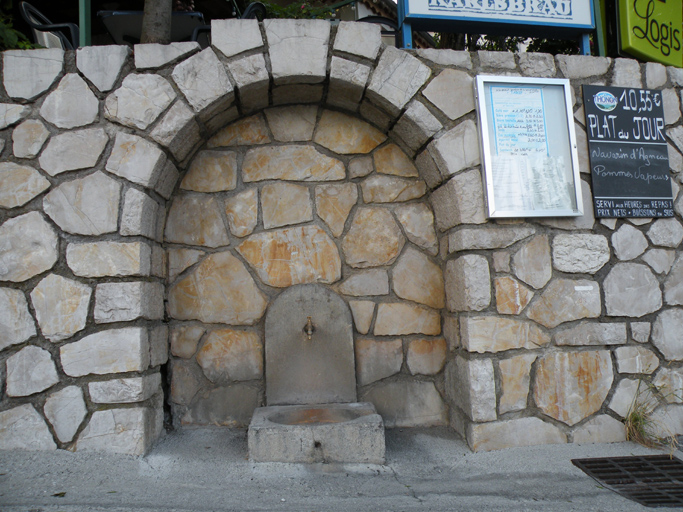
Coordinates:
96 143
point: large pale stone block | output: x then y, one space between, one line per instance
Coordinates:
347 83
460 59
10 114
283 204
333 204
344 134
459 201
293 256
28 73
22 428
365 282
667 421
361 39
396 79
565 300
488 237
660 260
16 324
75 150
496 334
181 259
655 75
231 355
177 130
105 352
471 385
532 263
229 406
292 163
499 435
640 331
61 306
30 371
417 278
360 167
636 360
123 302
373 239
579 253
390 189
398 318
666 333
468 283
440 93
288 41
219 290
426 356
242 212
672 106
204 82
292 124
457 149
101 65
185 382
126 431
416 126
125 390
540 65
408 404
71 104
514 380
28 247
139 101
362 312
234 36
417 221
601 429
100 259
591 333
196 220
141 215
65 410
19 184
631 289
249 131
628 242
136 159
580 66
586 379
149 56
376 360
28 138
85 206
511 295
252 81
626 73
673 286
666 232
669 382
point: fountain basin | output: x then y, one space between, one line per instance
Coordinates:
352 432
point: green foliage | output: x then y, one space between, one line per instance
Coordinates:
11 38
299 10
641 427
554 46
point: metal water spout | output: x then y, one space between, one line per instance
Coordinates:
309 328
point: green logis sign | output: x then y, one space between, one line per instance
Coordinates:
651 30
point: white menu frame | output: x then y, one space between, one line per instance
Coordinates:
528 147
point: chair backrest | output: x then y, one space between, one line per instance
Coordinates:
46 33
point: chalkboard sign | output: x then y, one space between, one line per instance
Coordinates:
528 147
628 152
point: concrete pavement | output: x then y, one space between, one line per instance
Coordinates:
208 470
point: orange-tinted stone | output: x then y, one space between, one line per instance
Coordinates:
245 132
292 163
392 160
345 134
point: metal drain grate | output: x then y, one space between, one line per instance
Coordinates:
653 480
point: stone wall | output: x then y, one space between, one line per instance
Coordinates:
153 203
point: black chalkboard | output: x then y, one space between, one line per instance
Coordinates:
628 152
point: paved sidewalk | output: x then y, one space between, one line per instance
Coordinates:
207 470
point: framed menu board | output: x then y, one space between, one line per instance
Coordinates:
528 147
628 152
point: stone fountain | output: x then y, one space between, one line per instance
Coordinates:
312 413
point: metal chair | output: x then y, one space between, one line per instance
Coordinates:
46 33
